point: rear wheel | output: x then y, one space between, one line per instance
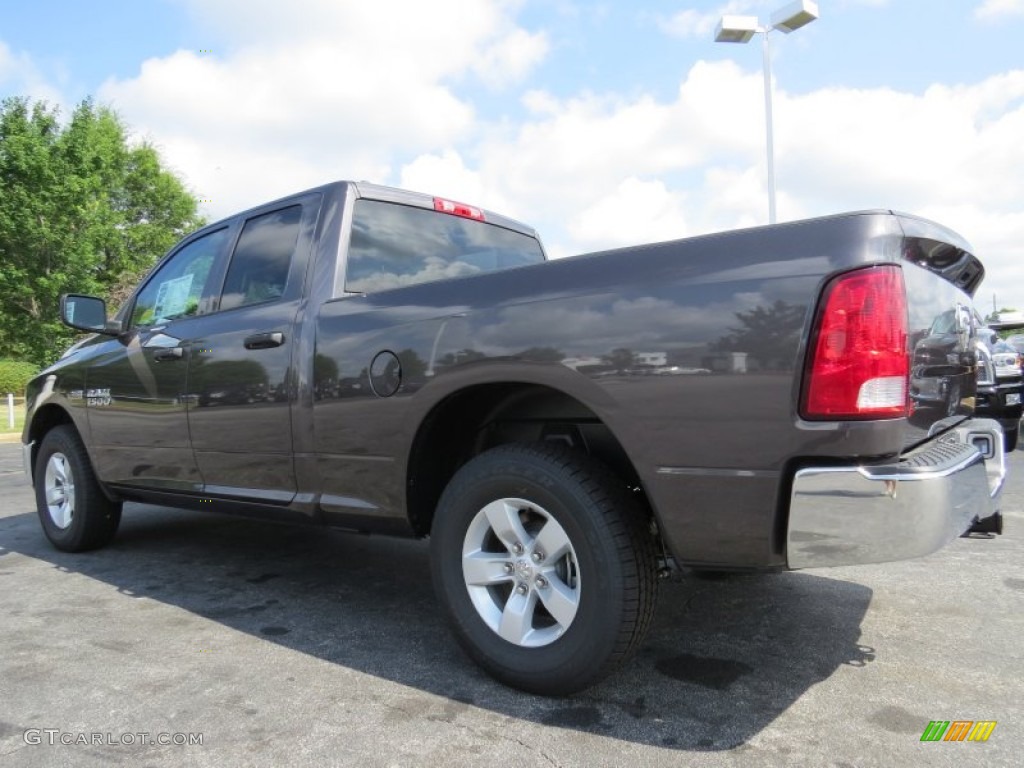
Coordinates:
75 514
546 566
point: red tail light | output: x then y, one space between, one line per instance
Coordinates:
860 366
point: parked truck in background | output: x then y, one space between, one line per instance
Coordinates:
1000 383
379 360
934 383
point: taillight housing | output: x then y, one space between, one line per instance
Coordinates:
859 364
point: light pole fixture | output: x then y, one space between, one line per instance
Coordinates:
741 29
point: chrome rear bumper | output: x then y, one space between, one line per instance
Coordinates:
875 513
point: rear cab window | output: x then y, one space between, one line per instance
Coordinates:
394 245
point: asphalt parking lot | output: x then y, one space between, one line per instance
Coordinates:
288 646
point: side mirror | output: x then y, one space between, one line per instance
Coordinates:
86 313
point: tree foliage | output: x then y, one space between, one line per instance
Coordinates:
15 375
997 315
621 359
543 355
769 335
81 211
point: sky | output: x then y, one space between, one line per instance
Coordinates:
602 124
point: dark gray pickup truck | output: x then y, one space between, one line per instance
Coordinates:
378 360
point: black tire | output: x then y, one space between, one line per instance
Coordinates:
609 566
1010 437
84 518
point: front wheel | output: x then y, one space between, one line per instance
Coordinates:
75 514
546 566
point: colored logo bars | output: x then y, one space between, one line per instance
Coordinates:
958 730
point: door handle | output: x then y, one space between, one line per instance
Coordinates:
173 353
264 340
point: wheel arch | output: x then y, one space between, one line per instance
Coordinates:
46 418
480 416
43 420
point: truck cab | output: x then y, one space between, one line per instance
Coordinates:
197 385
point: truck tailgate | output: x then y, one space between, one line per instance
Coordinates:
941 275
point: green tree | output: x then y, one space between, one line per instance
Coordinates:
769 335
621 359
543 355
14 376
995 316
460 357
413 368
81 210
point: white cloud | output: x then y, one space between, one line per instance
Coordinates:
297 96
421 41
693 23
881 147
19 74
434 268
446 174
993 10
600 171
596 171
512 57
302 93
633 207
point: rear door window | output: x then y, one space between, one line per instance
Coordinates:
394 245
259 267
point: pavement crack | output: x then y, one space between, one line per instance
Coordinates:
17 748
538 750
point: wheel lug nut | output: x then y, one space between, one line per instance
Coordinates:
509 568
538 556
522 589
517 548
541 582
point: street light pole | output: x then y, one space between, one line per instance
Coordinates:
769 121
740 29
